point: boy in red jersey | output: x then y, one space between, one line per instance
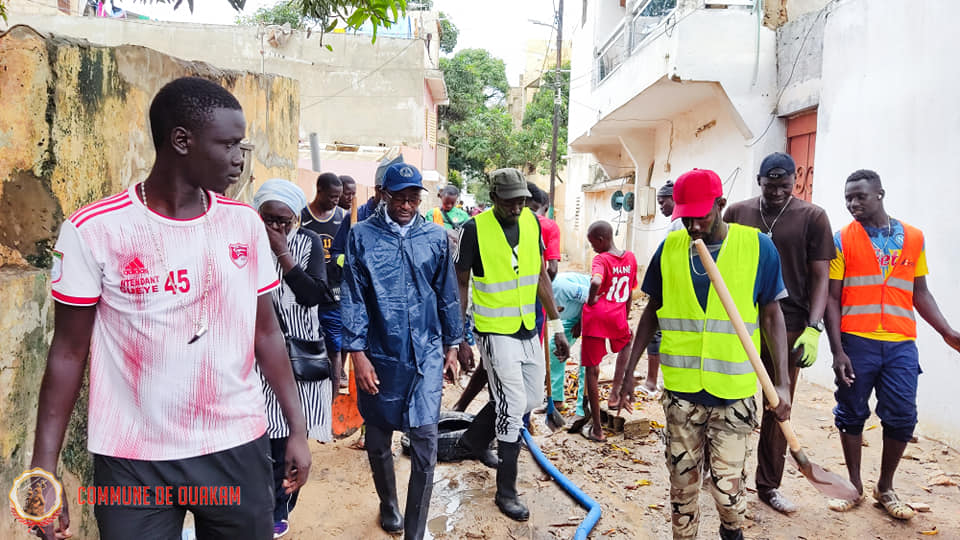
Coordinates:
605 314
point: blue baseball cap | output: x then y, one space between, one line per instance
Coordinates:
400 176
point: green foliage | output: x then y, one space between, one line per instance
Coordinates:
3 10
479 125
353 13
483 141
284 12
455 178
448 34
475 79
537 133
481 130
329 14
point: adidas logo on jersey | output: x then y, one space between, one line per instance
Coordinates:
134 268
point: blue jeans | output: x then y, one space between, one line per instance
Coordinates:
893 369
332 326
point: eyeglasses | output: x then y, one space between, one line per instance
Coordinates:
282 222
401 201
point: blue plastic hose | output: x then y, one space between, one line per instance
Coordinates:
592 506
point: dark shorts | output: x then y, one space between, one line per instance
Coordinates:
892 368
230 494
654 346
332 326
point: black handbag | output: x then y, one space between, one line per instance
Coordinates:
308 359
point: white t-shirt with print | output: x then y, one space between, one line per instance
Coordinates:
153 396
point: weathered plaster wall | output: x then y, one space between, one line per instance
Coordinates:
358 93
799 60
74 128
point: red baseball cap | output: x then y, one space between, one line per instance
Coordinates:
695 192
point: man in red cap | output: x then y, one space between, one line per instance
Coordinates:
708 380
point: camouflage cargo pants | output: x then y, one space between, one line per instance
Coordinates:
719 434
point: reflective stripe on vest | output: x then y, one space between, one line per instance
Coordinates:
700 348
504 298
870 301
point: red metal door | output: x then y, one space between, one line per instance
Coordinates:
801 142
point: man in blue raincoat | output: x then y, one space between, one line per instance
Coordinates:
402 322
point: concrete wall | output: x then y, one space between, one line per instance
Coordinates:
39 7
359 93
799 58
74 128
887 103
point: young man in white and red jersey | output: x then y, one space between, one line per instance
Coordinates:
605 313
164 286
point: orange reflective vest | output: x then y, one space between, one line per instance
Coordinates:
437 216
869 300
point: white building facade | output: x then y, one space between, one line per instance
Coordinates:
661 86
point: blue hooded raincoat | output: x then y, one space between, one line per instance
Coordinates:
400 305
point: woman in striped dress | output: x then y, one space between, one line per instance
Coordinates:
299 259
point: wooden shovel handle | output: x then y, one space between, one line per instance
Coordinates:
769 390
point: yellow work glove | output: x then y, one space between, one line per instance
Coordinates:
809 340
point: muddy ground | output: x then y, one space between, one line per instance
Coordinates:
628 478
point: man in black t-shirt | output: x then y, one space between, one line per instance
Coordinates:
324 217
508 234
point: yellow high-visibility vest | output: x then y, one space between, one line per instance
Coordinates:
700 349
505 297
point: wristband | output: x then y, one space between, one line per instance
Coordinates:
282 254
555 326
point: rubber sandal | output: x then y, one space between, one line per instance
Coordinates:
890 502
586 431
647 393
776 500
844 505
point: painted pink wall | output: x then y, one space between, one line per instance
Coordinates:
361 171
429 154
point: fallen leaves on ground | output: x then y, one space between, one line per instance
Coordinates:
942 480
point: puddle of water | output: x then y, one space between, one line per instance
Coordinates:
452 495
438 526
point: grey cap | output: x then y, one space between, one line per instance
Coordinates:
508 184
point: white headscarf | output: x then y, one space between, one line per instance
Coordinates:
280 190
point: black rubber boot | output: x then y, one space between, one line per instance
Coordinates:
386 484
476 440
506 497
727 534
418 505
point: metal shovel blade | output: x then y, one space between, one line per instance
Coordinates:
828 483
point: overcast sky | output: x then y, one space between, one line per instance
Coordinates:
500 26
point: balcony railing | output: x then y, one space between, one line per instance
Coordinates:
649 20
611 55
